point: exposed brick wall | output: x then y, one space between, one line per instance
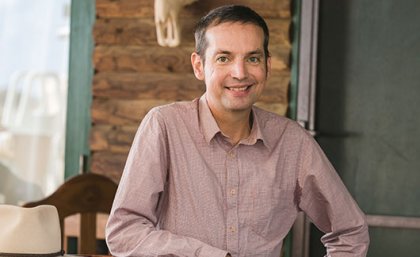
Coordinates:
133 73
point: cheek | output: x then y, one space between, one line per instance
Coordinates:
263 75
212 76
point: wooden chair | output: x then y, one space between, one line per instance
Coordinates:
87 194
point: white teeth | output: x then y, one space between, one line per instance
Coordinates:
238 88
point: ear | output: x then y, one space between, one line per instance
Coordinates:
197 65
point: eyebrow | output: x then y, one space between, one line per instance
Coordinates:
222 52
257 51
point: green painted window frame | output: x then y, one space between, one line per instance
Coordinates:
293 93
79 99
293 90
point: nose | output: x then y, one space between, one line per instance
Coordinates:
239 70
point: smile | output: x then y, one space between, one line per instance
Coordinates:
238 89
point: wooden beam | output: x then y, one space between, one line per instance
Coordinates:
393 221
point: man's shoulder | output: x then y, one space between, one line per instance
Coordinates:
172 110
265 116
275 123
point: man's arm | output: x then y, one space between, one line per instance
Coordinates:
131 229
326 201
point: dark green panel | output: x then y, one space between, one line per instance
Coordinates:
368 101
386 242
367 110
80 80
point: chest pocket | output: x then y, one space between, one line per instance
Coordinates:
271 200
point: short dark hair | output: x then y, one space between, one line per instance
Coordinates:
228 13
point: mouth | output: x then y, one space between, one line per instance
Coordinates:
239 89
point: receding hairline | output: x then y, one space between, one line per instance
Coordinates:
229 14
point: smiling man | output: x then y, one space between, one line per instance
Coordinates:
218 176
235 69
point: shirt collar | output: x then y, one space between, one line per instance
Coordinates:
208 124
210 128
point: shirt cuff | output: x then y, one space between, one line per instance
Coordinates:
209 251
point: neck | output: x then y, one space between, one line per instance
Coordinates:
235 125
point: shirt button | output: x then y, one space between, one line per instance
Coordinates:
232 192
232 229
231 154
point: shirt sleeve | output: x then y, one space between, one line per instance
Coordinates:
326 201
132 228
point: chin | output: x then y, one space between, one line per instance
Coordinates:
237 106
240 108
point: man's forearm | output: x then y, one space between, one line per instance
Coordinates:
141 238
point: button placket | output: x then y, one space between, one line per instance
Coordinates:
232 183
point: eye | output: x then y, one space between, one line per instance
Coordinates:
222 59
254 59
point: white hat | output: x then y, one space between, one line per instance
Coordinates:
29 231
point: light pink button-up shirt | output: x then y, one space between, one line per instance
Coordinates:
186 191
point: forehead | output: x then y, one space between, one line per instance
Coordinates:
235 36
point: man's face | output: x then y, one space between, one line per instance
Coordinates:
235 69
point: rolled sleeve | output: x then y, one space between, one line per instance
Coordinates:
327 202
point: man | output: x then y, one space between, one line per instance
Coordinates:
218 176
